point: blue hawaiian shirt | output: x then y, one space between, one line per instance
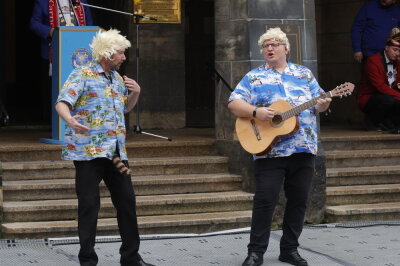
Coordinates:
101 102
263 86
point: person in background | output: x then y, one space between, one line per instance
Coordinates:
291 161
378 95
46 16
92 103
371 27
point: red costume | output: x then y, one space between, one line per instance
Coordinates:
374 80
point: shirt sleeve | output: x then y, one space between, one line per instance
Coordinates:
73 88
39 22
315 89
357 29
242 91
88 14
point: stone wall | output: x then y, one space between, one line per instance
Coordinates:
161 75
238 25
161 71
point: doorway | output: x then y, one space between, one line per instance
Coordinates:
20 90
199 65
21 78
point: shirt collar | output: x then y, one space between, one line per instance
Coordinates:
287 68
99 69
387 59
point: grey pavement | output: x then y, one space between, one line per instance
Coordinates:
358 243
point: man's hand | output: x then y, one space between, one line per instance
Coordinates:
76 126
265 113
358 56
323 104
131 85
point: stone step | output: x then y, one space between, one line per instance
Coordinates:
160 224
360 141
53 210
135 149
143 185
363 212
341 195
362 158
140 166
386 174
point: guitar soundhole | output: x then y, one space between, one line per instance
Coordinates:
276 120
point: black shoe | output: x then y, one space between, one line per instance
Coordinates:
253 259
142 263
293 257
371 126
139 263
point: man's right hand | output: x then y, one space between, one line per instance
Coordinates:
265 113
358 56
76 126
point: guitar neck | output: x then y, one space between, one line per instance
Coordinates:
298 109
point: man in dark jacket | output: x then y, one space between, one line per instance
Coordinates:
371 27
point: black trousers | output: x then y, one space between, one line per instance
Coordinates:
88 176
383 107
296 173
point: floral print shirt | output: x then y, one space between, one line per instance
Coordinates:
101 102
263 86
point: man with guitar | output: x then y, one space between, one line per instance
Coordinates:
291 160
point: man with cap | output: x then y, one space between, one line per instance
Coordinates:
379 89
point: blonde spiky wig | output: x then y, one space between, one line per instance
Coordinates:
274 34
107 43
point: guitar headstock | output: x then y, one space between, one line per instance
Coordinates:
342 90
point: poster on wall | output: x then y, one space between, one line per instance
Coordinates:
165 11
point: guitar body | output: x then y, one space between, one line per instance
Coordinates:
258 137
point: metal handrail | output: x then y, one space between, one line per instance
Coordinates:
219 77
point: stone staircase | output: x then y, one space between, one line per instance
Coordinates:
181 186
363 176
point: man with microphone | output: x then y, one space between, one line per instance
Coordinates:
92 103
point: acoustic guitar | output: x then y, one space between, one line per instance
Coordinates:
258 137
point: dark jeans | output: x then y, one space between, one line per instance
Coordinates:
88 177
296 173
382 107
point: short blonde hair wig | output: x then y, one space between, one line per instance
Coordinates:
274 34
107 43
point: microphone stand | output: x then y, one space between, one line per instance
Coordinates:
116 11
137 129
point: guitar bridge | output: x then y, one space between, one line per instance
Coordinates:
255 129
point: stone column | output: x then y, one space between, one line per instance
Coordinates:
238 25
